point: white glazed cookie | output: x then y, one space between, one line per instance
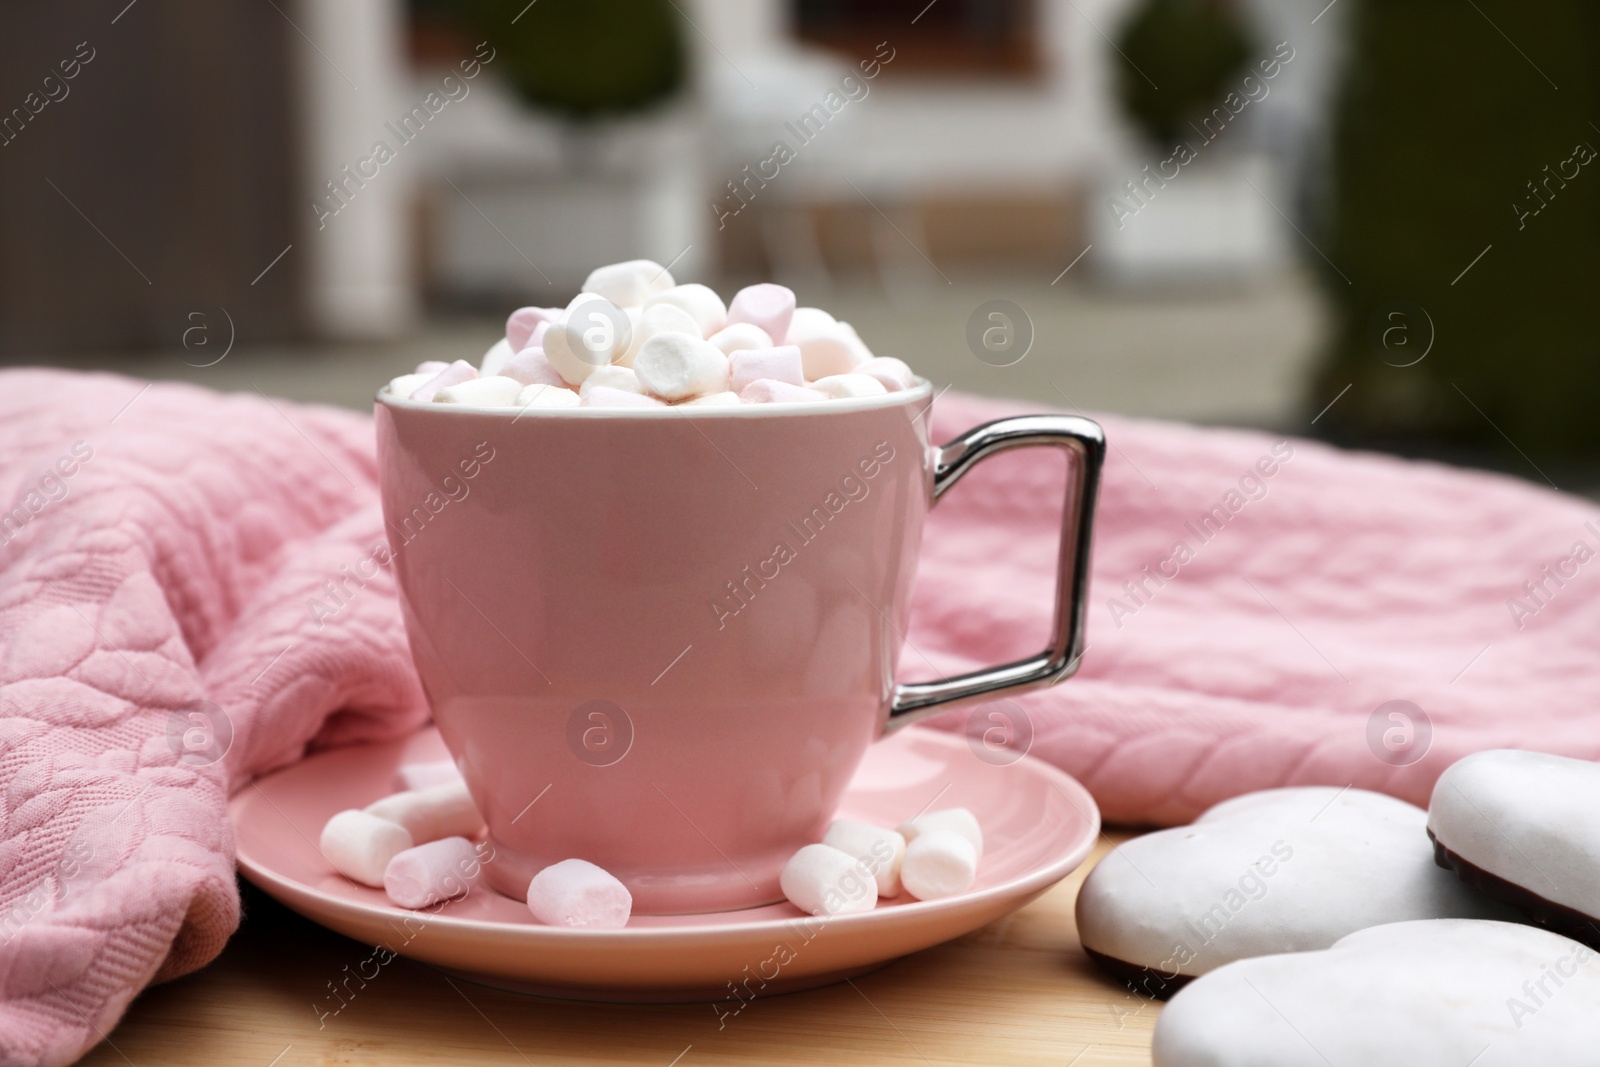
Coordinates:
1438 993
1282 870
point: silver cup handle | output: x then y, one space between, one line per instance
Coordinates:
1085 444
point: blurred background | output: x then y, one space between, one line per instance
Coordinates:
1372 222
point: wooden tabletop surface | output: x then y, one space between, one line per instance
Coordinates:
1019 991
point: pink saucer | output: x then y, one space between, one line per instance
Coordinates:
1038 825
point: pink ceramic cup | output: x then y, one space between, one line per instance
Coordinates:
662 639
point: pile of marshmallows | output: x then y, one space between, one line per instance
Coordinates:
419 846
634 338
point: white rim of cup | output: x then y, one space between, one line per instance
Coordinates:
920 390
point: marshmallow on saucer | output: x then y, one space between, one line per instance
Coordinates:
433 772
822 880
880 850
585 338
532 367
702 304
781 364
360 845
427 874
957 820
546 396
891 372
844 386
766 306
939 863
577 893
429 814
456 373
612 377
629 284
741 336
768 391
523 322
496 391
676 366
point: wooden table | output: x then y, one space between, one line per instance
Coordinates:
1019 991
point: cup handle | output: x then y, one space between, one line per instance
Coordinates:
1085 444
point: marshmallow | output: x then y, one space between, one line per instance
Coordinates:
612 377
407 384
893 373
830 352
429 814
767 307
714 400
780 364
821 880
844 386
430 367
741 336
767 391
427 874
676 366
434 772
360 845
532 367
629 284
522 323
540 395
957 820
806 323
879 850
495 358
495 392
636 336
587 336
604 396
456 373
702 304
577 893
939 863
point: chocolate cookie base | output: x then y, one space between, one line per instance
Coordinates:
1557 918
1141 981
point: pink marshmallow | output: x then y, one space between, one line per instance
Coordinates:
531 367
425 875
577 893
425 775
768 306
768 391
603 396
893 373
781 364
456 373
430 367
522 323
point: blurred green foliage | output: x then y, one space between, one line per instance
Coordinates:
1443 123
582 59
1183 57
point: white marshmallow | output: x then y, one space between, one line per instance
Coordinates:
893 373
844 386
629 283
606 397
407 384
714 400
427 874
430 367
702 304
829 352
495 392
767 306
434 772
577 893
495 358
522 322
587 336
939 863
821 880
767 391
612 377
676 366
360 845
532 367
540 395
806 323
880 850
456 373
741 336
781 364
429 814
956 820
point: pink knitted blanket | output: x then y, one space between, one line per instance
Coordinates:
1254 603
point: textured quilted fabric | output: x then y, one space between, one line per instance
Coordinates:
156 597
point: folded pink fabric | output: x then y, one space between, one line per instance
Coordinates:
161 546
